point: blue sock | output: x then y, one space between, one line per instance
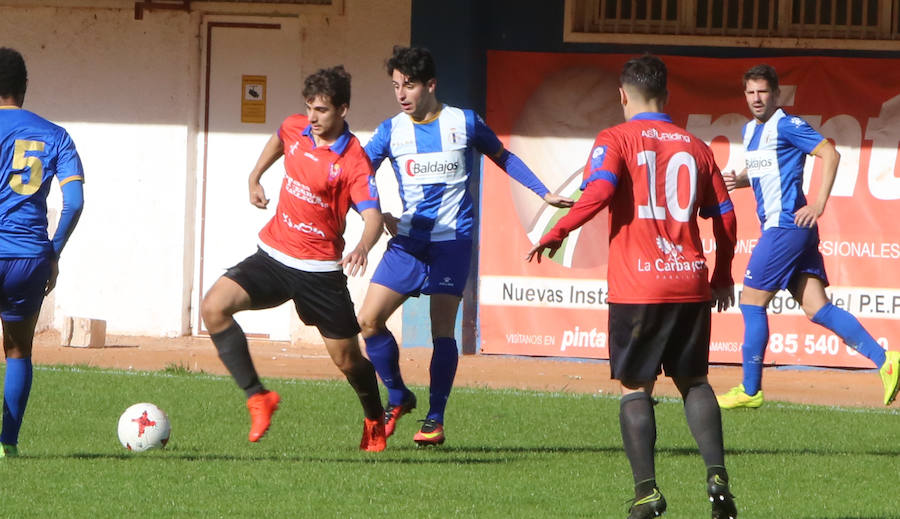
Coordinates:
851 331
443 369
384 353
16 387
756 336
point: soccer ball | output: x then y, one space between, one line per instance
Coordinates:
142 427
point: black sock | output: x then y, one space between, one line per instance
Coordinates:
363 380
235 354
638 424
705 420
716 470
644 488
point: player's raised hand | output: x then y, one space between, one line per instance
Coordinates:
558 201
722 297
355 263
258 196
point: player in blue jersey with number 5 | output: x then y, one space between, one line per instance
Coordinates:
32 152
787 254
435 151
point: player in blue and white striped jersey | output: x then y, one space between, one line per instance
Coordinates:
435 151
787 254
774 153
32 151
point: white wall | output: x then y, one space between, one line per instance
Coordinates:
129 93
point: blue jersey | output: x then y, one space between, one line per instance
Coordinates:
32 151
775 152
434 161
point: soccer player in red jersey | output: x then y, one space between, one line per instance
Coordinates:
326 173
656 177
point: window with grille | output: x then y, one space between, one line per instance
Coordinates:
736 17
660 16
793 23
841 19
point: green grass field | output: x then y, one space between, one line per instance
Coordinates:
509 454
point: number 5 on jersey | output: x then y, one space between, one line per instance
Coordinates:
20 161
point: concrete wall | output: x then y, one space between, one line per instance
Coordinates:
129 92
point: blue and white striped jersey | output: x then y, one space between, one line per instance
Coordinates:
775 152
434 161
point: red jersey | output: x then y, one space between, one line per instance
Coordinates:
320 185
656 177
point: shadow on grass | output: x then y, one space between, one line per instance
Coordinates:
398 455
461 455
855 517
820 452
361 458
676 451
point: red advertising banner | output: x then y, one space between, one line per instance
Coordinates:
547 108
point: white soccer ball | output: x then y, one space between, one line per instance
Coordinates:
144 426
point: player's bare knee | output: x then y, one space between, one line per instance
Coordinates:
442 328
213 312
369 326
810 310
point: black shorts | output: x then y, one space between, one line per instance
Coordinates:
321 298
645 337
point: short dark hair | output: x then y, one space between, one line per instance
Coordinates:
648 74
13 74
416 63
333 83
762 71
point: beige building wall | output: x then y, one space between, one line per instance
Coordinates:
130 93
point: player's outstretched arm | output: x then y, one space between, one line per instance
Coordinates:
356 261
521 173
734 180
272 151
596 196
487 143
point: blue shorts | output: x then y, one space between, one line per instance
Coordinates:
22 284
411 266
781 255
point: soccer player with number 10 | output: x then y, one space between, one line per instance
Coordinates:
656 178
